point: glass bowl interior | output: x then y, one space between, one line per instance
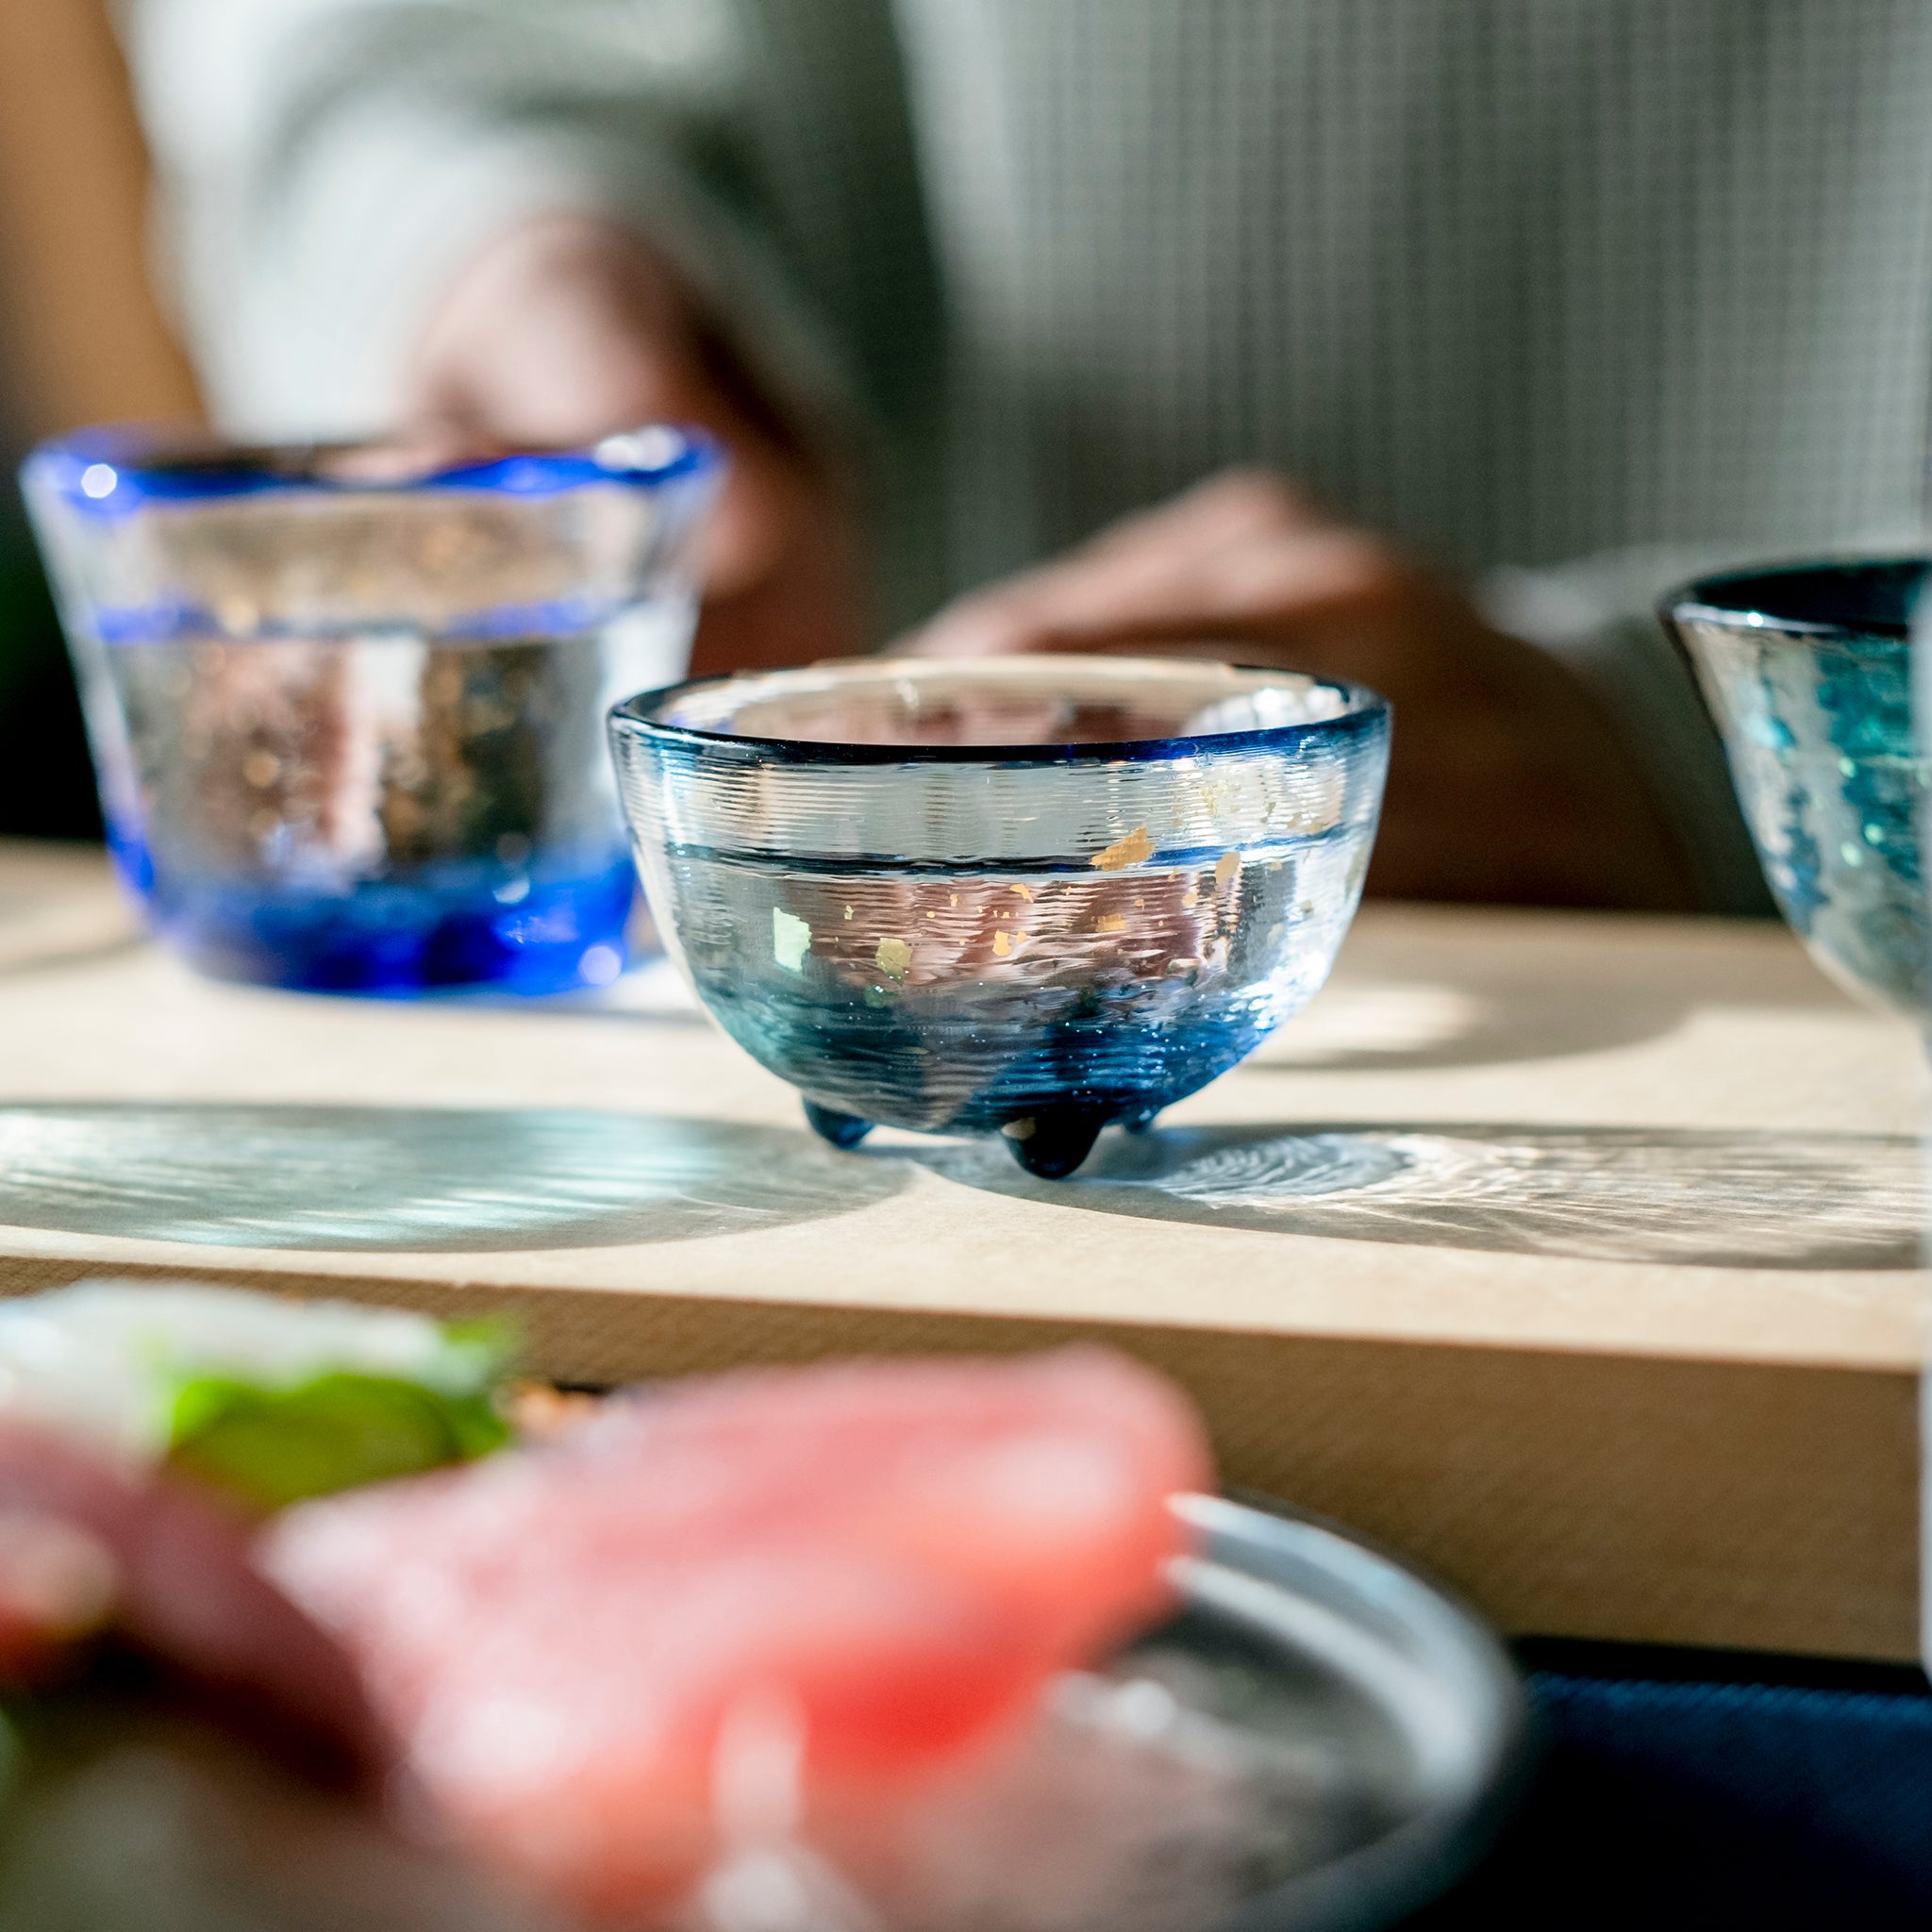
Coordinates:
155 535
1009 709
1871 597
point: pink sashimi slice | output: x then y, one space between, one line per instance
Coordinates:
886 1559
89 1549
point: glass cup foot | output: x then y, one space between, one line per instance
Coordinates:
1053 1142
840 1129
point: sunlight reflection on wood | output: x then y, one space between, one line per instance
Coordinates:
1719 1199
418 1178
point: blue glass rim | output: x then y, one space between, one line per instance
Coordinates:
1365 710
113 470
1832 599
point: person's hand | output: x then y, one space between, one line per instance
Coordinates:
568 328
1506 783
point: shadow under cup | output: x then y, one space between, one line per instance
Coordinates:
346 710
1807 672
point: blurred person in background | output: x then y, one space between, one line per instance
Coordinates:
1422 342
80 340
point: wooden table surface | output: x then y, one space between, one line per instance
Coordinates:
1571 1256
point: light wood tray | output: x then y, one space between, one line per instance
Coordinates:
1572 1257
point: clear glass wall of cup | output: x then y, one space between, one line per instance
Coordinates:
1807 669
346 708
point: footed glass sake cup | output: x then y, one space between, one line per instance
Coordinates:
1808 671
346 707
1026 895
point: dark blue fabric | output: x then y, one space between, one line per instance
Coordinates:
1659 1804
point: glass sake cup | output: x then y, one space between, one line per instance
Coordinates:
1807 672
346 708
1030 896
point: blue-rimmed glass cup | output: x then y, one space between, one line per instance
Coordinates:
1807 669
1031 896
346 707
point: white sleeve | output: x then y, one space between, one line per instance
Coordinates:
329 165
1598 615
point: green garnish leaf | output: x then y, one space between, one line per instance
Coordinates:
275 1447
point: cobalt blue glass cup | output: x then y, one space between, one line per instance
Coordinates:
346 708
1807 672
1030 896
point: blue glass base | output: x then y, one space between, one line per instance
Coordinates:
458 924
1069 1077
